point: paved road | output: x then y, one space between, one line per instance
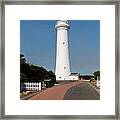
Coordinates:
56 92
77 90
81 92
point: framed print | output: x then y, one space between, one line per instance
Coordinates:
60 59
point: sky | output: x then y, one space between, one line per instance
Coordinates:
38 44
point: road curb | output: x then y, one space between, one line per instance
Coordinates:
96 89
30 95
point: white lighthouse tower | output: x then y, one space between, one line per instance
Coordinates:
62 53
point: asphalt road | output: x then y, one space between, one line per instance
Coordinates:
56 92
81 92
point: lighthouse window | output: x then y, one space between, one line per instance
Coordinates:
64 67
63 42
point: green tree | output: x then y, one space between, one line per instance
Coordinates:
23 77
52 77
22 59
97 73
33 72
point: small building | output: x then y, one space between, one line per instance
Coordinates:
74 76
47 83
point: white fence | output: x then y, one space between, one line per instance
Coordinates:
30 86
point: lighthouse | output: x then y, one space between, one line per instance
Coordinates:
62 70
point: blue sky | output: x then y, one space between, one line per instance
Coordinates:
38 44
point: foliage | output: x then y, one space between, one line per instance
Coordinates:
86 77
52 76
29 72
22 77
97 73
22 59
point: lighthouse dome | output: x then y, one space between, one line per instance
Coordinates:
62 23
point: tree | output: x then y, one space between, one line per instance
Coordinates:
23 77
52 76
22 59
97 73
86 77
32 72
